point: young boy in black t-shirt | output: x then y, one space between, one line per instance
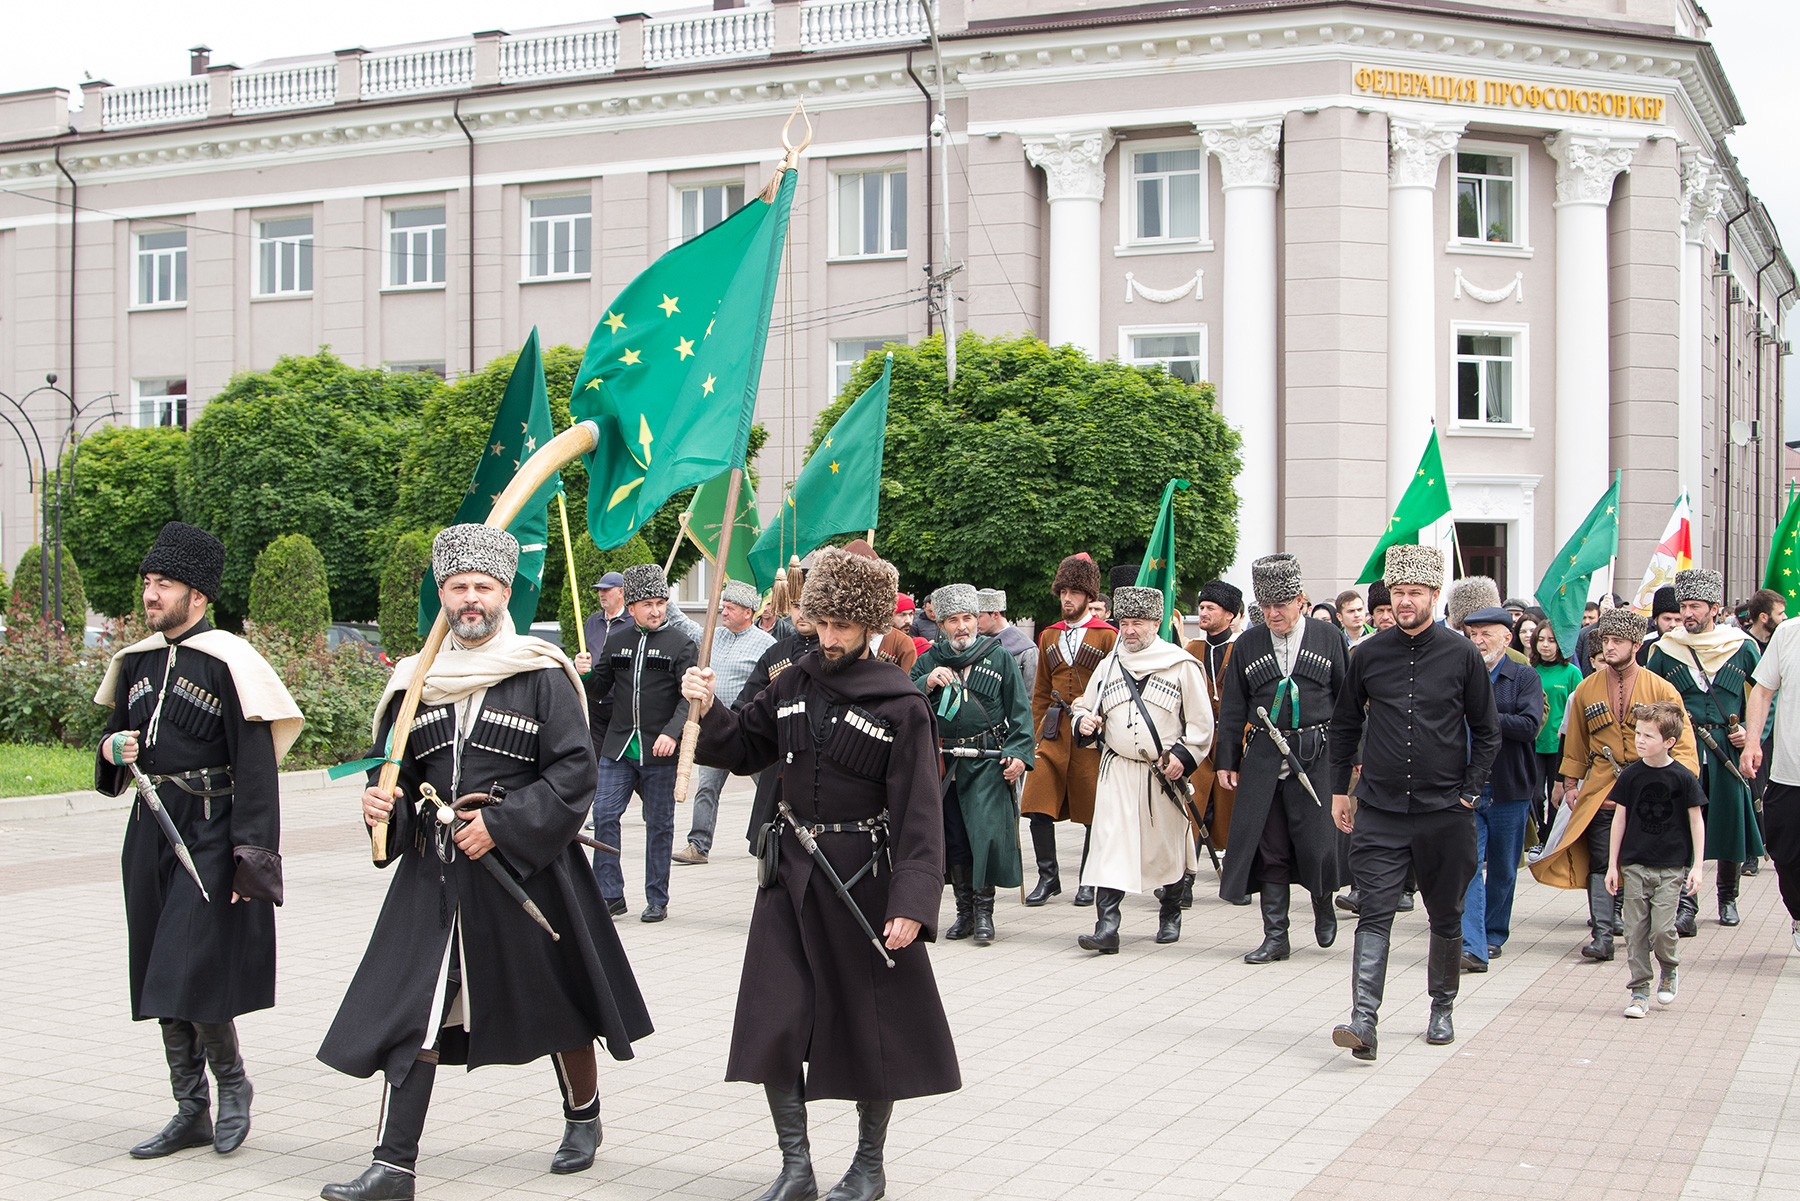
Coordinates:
1655 832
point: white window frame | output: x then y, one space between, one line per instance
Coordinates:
440 233
678 194
1520 246
573 219
1520 425
305 246
1128 332
835 386
888 251
1129 241
144 258
164 400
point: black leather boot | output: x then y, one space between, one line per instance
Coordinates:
1600 905
579 1142
390 1176
1324 920
227 1062
192 1124
1043 848
1443 973
1618 914
984 916
796 1183
1105 938
1349 902
1687 915
1274 900
379 1182
1168 917
1728 892
866 1180
578 1079
1187 891
1084 893
1368 978
964 893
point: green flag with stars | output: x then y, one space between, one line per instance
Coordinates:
1427 499
839 488
706 522
1158 567
671 372
1783 571
521 425
1564 590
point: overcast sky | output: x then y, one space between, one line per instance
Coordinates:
134 42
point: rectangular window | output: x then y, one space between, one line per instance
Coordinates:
704 207
1166 188
421 367
284 256
1485 198
159 402
1181 352
416 247
871 213
1484 379
559 237
162 269
847 355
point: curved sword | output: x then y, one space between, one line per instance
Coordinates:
147 791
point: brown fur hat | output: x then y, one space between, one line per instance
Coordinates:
850 587
1079 572
1626 623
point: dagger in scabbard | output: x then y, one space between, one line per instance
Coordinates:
146 791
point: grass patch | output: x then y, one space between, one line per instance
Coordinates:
37 770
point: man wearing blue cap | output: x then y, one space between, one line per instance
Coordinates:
609 616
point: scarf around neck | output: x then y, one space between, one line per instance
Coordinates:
1714 648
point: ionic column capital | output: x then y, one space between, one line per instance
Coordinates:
1249 151
1416 148
1074 164
1587 164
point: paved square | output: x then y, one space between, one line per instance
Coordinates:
1163 1072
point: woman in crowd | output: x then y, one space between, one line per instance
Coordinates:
1559 677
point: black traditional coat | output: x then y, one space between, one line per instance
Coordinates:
774 661
850 746
525 996
1251 677
191 960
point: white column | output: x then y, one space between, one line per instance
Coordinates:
1586 166
1416 150
1074 166
1250 172
1701 197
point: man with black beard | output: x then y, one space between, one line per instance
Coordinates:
1220 606
208 720
853 748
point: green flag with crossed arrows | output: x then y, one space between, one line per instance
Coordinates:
1158 568
1426 500
705 521
1563 591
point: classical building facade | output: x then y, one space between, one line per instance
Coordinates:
1518 222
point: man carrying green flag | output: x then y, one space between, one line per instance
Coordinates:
1158 569
1564 590
1426 502
838 490
521 425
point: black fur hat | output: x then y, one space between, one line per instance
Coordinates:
188 554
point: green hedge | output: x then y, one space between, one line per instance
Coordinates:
288 590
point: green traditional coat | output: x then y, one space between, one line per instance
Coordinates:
1731 833
991 712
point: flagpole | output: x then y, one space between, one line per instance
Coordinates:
690 732
676 548
562 508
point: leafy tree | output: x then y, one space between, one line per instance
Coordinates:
590 564
26 604
311 446
409 558
5 590
289 590
1042 452
122 493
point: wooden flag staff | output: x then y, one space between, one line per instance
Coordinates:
574 584
536 471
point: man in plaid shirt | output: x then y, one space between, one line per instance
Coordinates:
737 645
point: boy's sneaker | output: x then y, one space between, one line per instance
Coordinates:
1639 1007
689 854
1666 987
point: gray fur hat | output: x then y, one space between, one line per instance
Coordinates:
991 600
483 548
1468 594
740 593
1407 564
850 587
1625 623
952 599
1143 603
645 581
1256 616
1696 584
1275 579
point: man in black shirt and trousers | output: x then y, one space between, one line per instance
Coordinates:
1431 734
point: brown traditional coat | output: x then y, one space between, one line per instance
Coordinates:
1592 725
1205 779
897 648
1061 783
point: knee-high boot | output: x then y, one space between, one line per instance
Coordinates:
1368 979
1443 972
984 916
1600 907
1274 898
390 1176
1043 848
963 890
788 1109
1084 895
192 1124
1728 891
1105 938
867 1178
1168 918
227 1062
1687 915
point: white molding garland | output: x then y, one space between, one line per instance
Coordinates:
1515 289
1197 286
